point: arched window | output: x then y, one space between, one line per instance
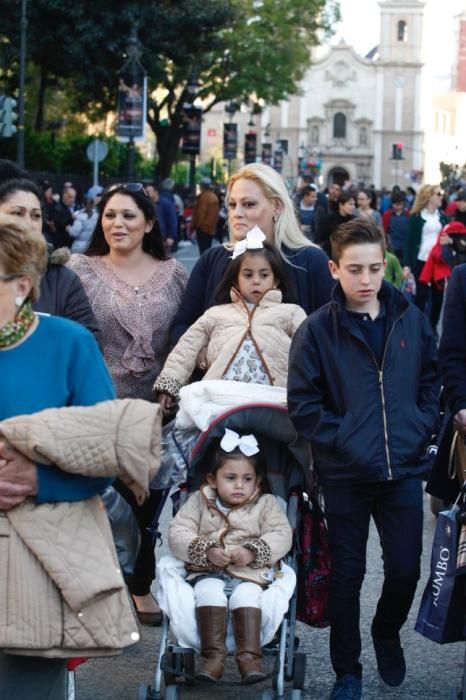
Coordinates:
402 30
315 135
339 126
363 136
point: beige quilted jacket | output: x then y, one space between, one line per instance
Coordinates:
62 593
259 525
222 330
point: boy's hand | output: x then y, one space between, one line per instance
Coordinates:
165 402
218 557
242 556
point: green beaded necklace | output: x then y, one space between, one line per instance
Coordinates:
17 328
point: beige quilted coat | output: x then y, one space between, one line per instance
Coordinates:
259 525
62 593
222 329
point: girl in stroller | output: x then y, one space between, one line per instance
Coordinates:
246 337
230 533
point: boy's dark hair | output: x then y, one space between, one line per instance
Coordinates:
220 457
398 198
277 263
356 232
345 196
307 189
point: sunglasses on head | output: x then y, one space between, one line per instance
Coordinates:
129 187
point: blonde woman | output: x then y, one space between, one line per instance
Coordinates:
424 225
257 196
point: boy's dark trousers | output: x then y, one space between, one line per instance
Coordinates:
397 509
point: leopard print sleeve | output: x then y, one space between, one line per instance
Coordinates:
167 385
262 551
197 551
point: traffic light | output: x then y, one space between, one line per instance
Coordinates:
397 151
7 116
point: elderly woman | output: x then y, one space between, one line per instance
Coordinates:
257 196
134 290
45 362
424 225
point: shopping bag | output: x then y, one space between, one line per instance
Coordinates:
313 574
441 613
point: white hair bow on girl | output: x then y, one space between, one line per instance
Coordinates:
253 241
246 443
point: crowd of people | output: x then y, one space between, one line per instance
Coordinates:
93 305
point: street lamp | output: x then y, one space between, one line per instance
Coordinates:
132 97
230 135
192 127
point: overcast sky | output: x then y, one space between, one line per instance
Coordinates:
360 27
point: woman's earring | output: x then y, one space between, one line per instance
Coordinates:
19 301
274 218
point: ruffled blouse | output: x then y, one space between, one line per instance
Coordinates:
134 320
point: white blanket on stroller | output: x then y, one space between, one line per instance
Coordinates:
201 402
176 598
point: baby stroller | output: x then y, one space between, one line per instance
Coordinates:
288 474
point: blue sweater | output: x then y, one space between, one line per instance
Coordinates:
308 272
58 365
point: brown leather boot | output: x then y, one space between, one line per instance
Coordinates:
211 621
247 628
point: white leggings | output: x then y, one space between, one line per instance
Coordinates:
210 592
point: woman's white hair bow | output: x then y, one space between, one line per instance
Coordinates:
246 443
253 241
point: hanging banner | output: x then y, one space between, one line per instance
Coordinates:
192 119
278 161
132 100
250 147
230 141
267 153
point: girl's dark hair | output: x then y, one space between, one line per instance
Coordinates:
9 187
220 457
278 265
152 243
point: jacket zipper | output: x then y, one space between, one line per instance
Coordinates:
382 393
382 396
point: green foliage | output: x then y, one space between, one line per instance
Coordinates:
247 50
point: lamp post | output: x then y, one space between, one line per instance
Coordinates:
192 115
132 98
22 79
230 137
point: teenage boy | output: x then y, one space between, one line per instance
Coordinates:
362 389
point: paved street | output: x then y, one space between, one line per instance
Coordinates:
432 669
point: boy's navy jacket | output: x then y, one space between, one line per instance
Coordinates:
365 423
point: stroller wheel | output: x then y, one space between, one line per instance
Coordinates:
188 667
144 692
268 694
299 671
174 665
172 692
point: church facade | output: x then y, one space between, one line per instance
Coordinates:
359 118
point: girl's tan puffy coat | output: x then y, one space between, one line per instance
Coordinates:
222 330
260 525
